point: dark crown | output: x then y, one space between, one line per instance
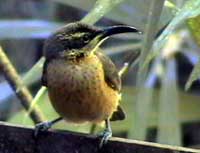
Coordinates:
72 36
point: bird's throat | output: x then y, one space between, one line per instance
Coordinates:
74 55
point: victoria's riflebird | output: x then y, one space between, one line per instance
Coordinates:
83 84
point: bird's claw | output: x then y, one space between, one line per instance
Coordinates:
44 126
106 135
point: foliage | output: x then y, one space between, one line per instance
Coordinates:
161 22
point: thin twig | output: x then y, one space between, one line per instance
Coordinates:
15 81
133 60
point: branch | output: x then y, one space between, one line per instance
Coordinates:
21 140
15 81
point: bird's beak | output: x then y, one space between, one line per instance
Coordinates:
103 34
107 32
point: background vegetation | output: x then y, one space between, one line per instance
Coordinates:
161 89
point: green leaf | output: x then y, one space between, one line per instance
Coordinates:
190 9
34 74
100 8
142 110
194 26
169 119
131 12
195 74
144 96
155 11
38 98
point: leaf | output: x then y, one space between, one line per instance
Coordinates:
168 115
131 12
155 11
38 98
142 110
27 28
195 74
190 9
34 74
100 8
194 26
144 96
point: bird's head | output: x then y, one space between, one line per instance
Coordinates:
77 40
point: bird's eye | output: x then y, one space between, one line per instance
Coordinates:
86 38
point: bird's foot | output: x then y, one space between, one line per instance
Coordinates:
44 126
106 135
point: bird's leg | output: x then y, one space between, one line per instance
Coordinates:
106 134
93 128
44 126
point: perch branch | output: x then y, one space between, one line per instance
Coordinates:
21 140
15 81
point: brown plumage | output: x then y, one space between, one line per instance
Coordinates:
83 84
84 90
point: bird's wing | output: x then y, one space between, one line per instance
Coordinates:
113 80
44 79
110 72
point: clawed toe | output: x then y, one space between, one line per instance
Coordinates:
44 126
106 135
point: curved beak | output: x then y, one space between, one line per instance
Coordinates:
102 35
118 30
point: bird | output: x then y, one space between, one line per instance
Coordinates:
83 83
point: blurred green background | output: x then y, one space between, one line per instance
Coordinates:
160 92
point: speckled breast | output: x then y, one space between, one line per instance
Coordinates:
78 91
